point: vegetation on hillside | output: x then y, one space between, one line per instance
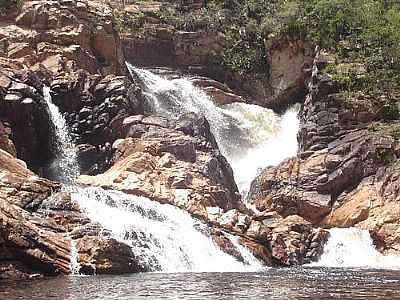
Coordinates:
363 35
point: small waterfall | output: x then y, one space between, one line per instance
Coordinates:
247 256
353 248
163 237
74 265
65 166
249 136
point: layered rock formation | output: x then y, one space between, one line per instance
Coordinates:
73 48
345 173
37 229
57 42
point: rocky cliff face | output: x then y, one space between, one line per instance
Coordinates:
344 174
70 46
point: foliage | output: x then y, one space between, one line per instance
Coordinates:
358 31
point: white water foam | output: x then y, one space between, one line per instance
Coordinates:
247 256
65 166
74 265
354 248
163 237
249 136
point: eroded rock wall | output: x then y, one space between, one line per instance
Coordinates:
345 172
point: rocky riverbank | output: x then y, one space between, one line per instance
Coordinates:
345 173
73 48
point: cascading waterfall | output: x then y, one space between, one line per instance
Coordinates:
353 248
163 237
65 166
249 136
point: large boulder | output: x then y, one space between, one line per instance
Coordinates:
171 162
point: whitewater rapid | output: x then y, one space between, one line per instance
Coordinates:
162 237
249 136
354 248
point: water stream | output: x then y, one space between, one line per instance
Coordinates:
65 167
354 248
163 237
167 239
249 136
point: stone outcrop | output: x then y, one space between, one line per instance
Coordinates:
36 229
95 107
24 117
71 46
174 162
288 60
63 36
345 172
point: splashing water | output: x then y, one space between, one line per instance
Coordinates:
249 136
353 247
247 256
163 237
74 265
65 166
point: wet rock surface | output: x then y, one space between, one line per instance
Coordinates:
178 162
71 46
172 162
94 108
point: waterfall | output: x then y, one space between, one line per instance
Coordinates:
353 247
65 166
163 237
249 136
74 265
245 253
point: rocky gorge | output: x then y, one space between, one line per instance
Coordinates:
344 175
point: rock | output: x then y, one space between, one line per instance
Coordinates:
5 143
167 165
35 234
345 174
97 113
61 32
335 156
373 206
287 59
